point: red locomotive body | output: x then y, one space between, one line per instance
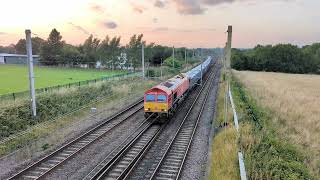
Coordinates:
163 98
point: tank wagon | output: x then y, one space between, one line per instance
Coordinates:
164 98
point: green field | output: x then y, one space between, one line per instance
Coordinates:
14 78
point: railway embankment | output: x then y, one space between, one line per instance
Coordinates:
38 140
268 153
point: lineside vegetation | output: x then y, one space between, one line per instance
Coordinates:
269 154
53 110
224 164
288 104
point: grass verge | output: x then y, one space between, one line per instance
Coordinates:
224 158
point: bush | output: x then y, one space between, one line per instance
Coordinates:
151 73
173 63
17 117
285 58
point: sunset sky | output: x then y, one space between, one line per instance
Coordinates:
190 23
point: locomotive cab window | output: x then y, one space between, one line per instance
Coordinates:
162 98
150 98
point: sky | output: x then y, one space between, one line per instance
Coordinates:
179 23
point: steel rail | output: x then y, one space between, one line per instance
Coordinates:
106 160
111 160
195 128
184 141
48 163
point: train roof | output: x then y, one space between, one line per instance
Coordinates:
169 85
195 71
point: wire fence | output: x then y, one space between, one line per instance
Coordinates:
243 173
18 95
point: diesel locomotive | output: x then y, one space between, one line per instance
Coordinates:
164 98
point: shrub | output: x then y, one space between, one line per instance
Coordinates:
17 117
173 63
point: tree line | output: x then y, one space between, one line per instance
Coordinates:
285 58
109 52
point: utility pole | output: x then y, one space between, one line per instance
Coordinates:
193 55
173 56
227 57
229 47
185 55
161 68
31 74
142 55
201 64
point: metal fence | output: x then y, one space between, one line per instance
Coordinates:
18 95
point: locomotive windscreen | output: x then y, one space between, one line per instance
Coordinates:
150 98
162 98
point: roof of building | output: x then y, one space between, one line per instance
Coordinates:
15 55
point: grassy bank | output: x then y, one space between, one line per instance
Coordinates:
272 111
224 158
268 154
62 102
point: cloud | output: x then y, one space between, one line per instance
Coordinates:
216 2
167 29
3 33
80 28
160 29
110 25
137 8
189 7
159 4
97 8
155 20
196 7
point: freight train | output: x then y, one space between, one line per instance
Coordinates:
164 98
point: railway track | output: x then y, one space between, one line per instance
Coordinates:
172 161
118 163
55 159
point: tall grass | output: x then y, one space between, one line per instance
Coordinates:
224 161
268 155
224 155
294 101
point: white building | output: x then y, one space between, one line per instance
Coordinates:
16 58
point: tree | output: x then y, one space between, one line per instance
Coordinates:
104 50
90 50
7 49
70 55
37 42
51 50
312 57
279 58
115 51
133 50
